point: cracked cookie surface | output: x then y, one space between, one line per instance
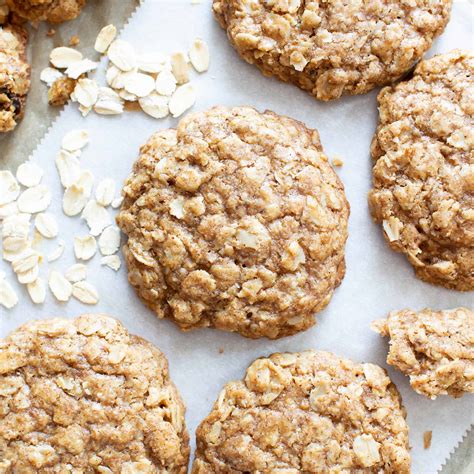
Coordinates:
434 348
14 76
235 220
423 177
333 48
84 395
303 413
54 11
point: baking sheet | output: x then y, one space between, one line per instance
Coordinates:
377 280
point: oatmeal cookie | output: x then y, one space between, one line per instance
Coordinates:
308 412
423 177
14 76
331 48
434 348
54 11
84 395
235 220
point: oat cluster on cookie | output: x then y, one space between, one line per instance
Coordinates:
235 220
423 177
331 48
305 412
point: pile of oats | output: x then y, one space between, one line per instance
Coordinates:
158 83
24 201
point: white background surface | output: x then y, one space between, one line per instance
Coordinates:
377 280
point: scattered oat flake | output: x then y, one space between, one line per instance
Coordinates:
57 252
427 435
9 209
9 187
29 276
74 200
37 291
180 67
127 96
117 202
76 272
199 55
85 247
77 69
25 261
46 225
182 100
86 92
35 199
109 240
8 297
96 217
122 55
75 140
85 292
64 57
68 167
153 62
111 261
155 105
109 102
139 84
29 174
165 83
59 286
105 37
50 75
104 194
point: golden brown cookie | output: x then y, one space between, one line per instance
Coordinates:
54 11
308 412
235 220
331 48
84 395
434 348
423 177
14 76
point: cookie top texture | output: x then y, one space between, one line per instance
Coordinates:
84 395
434 348
423 177
304 413
331 48
54 11
235 220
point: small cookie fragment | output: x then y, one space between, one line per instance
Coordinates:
60 91
14 76
423 176
54 11
308 412
94 398
331 48
427 436
434 348
235 220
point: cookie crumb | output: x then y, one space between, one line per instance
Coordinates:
61 91
337 161
427 435
221 350
74 41
51 32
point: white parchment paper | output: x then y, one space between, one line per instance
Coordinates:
377 279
